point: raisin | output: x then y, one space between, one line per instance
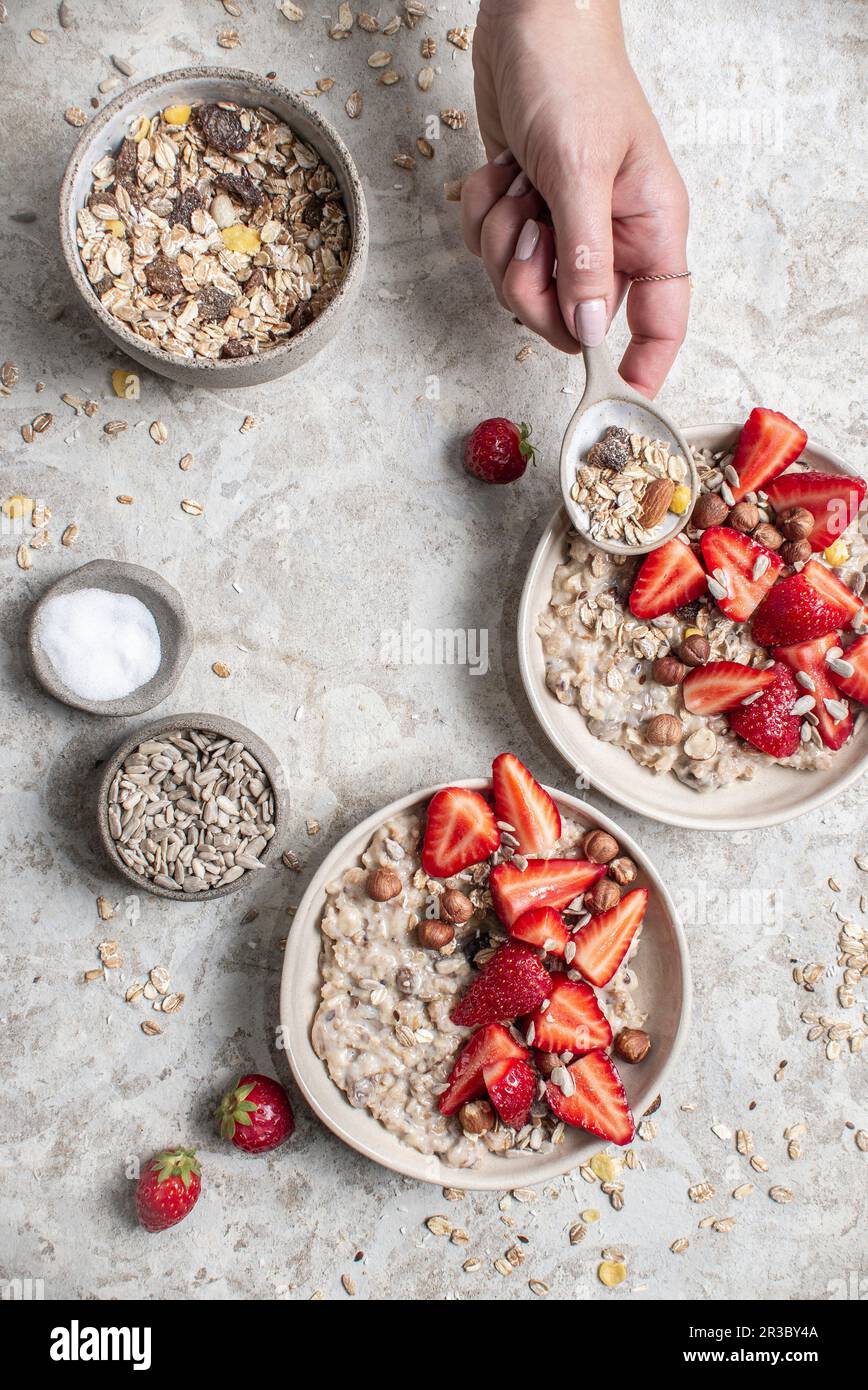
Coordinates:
222 129
164 277
688 612
185 205
126 162
302 315
255 280
238 347
242 187
214 304
313 214
609 452
102 200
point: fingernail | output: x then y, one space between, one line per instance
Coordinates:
591 322
527 240
519 187
506 157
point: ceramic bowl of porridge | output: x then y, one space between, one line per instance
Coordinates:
370 986
594 672
214 225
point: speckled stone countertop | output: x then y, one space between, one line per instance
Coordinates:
341 515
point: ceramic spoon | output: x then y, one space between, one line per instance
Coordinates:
608 400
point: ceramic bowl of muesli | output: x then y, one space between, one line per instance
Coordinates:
478 1017
215 226
720 681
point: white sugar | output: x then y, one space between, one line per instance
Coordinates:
102 645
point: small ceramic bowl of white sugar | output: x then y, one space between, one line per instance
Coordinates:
110 638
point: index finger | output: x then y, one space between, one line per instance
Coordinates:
657 313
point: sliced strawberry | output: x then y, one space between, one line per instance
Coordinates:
605 941
597 1102
796 611
544 883
523 803
832 711
768 444
721 685
513 982
667 578
767 722
460 831
855 685
487 1046
832 499
573 1021
511 1087
750 569
543 927
832 589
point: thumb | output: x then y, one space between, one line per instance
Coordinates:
582 216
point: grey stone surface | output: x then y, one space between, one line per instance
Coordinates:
344 513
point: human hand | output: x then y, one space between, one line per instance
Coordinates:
567 128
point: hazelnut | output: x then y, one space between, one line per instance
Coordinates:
794 552
623 870
476 1117
796 523
632 1044
694 650
744 517
710 510
455 906
599 846
769 536
546 1063
668 670
435 935
383 884
663 731
604 895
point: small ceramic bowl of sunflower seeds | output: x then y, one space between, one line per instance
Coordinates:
215 226
192 807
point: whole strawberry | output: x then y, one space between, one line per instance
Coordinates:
498 451
168 1188
256 1114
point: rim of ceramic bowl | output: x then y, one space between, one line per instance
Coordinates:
299 998
612 770
212 724
142 583
131 97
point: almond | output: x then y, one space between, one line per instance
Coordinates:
655 503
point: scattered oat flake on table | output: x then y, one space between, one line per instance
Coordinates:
454 119
778 1193
353 106
539 1288
744 1190
192 508
439 1226
22 557
861 1139
460 36
105 909
185 462
124 499
228 38
73 115
291 11
221 669
700 1192
679 1246
150 1029
247 424
425 79
158 432
39 36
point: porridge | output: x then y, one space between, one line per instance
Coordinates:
214 231
412 960
645 683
